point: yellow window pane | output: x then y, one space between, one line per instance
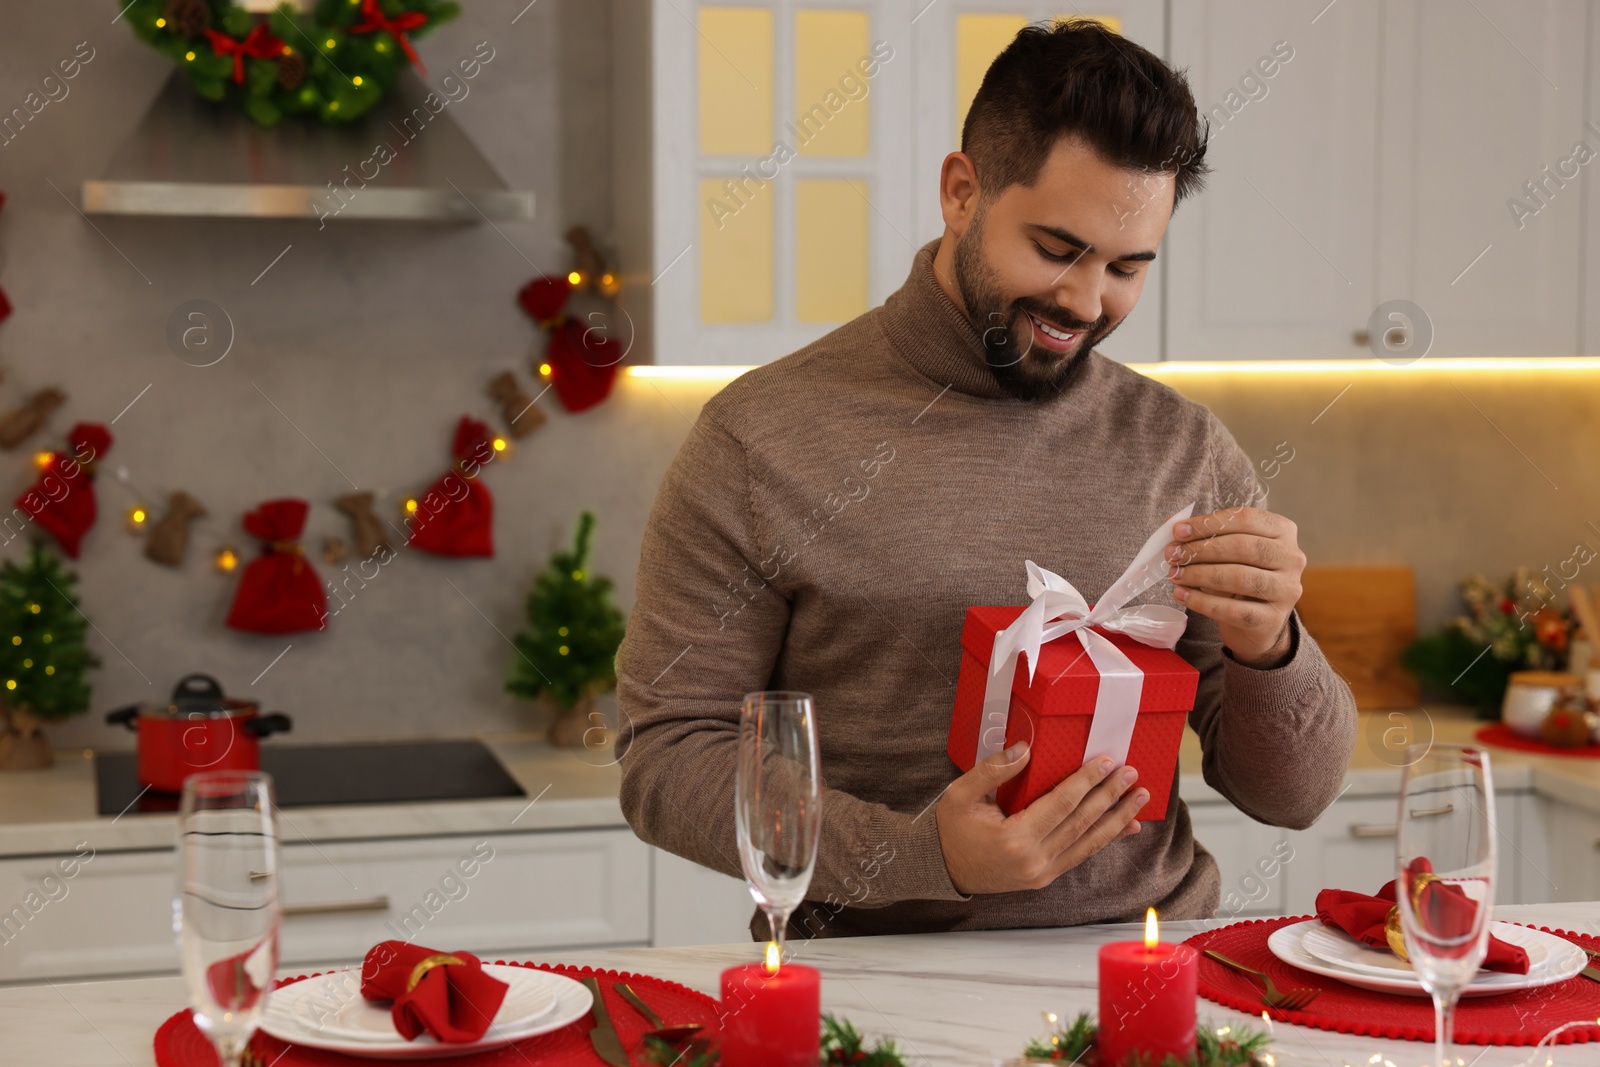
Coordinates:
735 46
830 236
735 250
830 91
1110 22
979 38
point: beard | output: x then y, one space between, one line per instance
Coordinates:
1023 370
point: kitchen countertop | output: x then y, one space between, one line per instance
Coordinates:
52 810
968 999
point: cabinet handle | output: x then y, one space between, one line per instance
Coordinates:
1373 829
1423 813
337 907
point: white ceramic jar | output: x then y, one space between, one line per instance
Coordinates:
1530 696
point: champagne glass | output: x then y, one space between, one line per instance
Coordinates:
777 801
1445 850
226 912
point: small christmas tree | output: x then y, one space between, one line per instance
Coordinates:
44 660
568 649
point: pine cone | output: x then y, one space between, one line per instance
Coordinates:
188 18
291 70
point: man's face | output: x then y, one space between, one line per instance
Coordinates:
1048 271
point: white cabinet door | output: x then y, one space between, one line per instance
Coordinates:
955 40
533 891
1350 847
113 916
1574 836
505 893
1482 106
1274 259
1252 859
695 905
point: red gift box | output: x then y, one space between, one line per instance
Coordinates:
1054 711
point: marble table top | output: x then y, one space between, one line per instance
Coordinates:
969 999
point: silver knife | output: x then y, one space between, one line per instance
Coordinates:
607 1045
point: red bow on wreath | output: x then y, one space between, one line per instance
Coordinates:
456 515
583 361
279 593
373 20
62 500
258 44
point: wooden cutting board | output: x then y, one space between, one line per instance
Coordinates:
1363 617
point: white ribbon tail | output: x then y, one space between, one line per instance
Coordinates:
1116 703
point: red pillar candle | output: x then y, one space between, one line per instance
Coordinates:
771 1014
1147 998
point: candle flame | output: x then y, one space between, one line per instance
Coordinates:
1152 931
774 957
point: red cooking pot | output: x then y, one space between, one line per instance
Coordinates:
201 730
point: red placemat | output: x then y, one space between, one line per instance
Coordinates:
179 1043
1500 735
1522 1018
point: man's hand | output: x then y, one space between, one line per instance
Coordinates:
987 851
1241 567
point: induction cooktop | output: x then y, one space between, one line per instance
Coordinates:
389 772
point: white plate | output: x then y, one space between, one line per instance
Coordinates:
1285 944
528 999
301 1014
1334 946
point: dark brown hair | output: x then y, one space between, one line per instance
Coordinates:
1077 78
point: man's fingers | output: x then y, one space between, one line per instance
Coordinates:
1231 611
990 773
1265 552
1237 579
1233 520
1110 827
1041 818
1101 799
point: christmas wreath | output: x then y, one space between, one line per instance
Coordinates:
333 62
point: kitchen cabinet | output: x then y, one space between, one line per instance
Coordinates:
1480 112
1252 858
694 905
525 892
1381 162
1352 846
1573 861
1274 259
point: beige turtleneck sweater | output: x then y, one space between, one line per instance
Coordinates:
825 526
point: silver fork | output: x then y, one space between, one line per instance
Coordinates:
1291 999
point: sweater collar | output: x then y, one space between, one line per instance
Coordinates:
933 335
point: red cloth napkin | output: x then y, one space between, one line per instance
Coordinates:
1362 917
455 1002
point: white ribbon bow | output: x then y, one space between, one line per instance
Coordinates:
1059 609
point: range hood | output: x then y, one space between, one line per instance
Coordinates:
189 156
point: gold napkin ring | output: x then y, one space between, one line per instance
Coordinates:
437 960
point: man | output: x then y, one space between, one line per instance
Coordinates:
832 516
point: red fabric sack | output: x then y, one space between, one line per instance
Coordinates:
62 500
280 592
456 515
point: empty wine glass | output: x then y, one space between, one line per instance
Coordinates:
777 801
226 911
1445 850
